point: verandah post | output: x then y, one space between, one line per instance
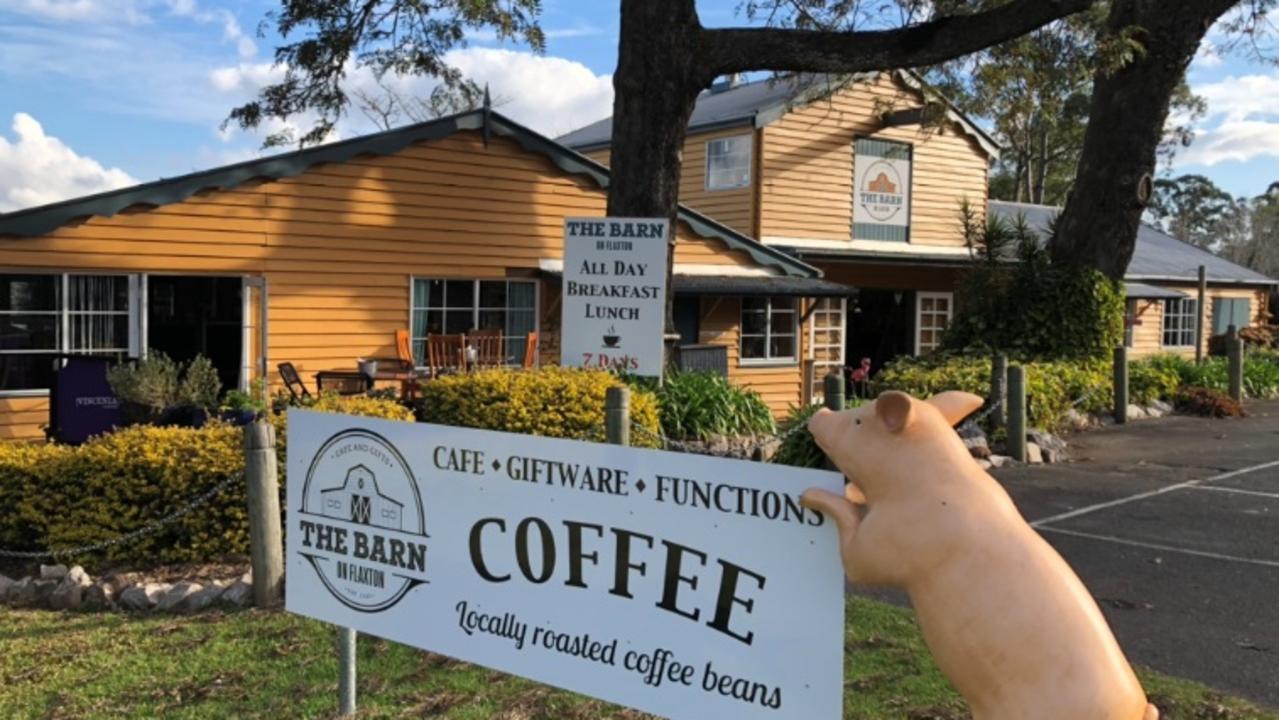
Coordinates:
1017 413
1121 385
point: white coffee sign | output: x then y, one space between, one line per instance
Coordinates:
614 306
681 585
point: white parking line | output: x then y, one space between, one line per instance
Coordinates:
1142 496
1164 548
1254 493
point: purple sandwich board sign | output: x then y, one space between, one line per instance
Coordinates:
84 404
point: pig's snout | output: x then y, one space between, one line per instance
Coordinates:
824 425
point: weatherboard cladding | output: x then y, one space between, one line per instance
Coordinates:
1158 256
47 218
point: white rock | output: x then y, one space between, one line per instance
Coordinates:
1162 406
984 464
22 592
176 595
1034 455
53 572
67 595
5 585
999 461
1136 412
78 576
240 593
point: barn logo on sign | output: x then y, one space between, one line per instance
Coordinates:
882 194
362 523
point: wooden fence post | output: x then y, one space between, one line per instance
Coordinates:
1121 385
617 415
999 390
1234 352
833 391
265 544
1017 413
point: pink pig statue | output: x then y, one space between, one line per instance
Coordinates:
1005 617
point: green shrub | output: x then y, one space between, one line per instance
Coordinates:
155 383
697 405
551 402
200 384
1206 402
799 449
1052 387
1030 309
1149 381
56 496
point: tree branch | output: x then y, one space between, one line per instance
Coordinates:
731 50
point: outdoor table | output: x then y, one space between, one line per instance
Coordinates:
406 378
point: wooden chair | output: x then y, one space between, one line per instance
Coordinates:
292 381
445 354
489 348
530 351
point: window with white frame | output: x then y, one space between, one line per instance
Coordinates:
933 311
728 163
826 341
43 315
1181 317
459 306
769 330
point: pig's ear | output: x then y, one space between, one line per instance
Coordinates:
895 409
955 405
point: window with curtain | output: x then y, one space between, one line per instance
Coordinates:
42 315
728 163
1180 318
460 306
769 330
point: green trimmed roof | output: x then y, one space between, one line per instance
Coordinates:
47 218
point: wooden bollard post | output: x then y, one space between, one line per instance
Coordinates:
999 390
1121 385
617 416
1017 413
833 391
1234 354
1199 319
265 544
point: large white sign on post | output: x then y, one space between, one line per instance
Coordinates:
614 306
682 585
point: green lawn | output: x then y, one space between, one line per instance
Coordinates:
257 664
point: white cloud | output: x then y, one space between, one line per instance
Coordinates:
1208 56
549 94
1240 98
36 169
130 11
1238 141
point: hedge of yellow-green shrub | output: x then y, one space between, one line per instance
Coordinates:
551 402
56 496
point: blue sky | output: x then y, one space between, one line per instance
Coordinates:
102 93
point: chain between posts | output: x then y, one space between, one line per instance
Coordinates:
149 529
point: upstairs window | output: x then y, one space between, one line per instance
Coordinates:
728 163
1181 316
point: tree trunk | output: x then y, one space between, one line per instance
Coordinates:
1098 228
657 81
1041 170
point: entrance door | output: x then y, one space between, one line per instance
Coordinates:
880 327
198 315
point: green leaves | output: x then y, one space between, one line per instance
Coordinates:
695 406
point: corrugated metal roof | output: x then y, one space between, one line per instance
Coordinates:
46 218
1150 292
760 102
1158 255
758 285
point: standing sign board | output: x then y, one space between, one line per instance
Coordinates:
614 307
682 585
881 193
